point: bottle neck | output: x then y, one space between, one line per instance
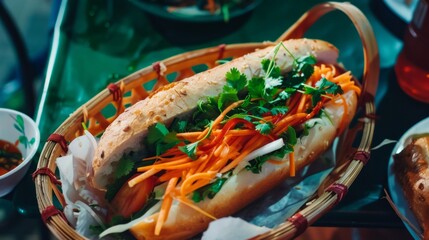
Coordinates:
416 39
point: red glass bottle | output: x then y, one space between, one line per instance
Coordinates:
412 65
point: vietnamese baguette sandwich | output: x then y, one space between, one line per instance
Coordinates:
208 145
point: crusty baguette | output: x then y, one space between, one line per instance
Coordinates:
129 129
125 134
241 189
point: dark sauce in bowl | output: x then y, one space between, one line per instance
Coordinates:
10 157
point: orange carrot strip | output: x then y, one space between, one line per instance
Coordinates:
351 86
209 161
195 135
165 206
343 78
286 122
195 168
302 103
166 164
221 117
293 103
186 184
253 144
223 161
142 177
187 202
292 164
240 157
198 184
169 175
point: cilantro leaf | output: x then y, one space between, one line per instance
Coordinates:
227 97
270 67
235 79
271 82
255 165
159 139
206 110
302 69
323 86
179 125
264 128
316 94
329 87
114 188
290 136
156 132
190 149
256 87
279 110
125 166
170 140
209 190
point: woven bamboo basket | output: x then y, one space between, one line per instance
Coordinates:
133 88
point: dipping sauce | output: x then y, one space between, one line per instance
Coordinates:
10 156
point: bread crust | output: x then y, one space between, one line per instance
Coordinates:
126 133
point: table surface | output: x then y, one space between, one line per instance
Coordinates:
99 42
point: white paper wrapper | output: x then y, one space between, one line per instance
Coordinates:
232 228
73 169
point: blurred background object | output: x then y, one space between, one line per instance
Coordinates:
193 21
25 33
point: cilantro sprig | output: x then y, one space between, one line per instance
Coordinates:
324 87
190 149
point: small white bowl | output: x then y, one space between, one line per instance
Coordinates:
18 128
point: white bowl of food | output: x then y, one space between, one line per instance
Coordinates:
19 141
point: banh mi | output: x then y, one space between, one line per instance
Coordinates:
206 146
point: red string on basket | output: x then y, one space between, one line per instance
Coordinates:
371 116
115 91
300 223
48 172
339 189
221 51
50 211
362 156
157 68
58 138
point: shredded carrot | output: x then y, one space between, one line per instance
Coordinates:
227 146
233 132
169 175
350 86
186 201
143 177
187 184
285 122
293 103
222 115
206 163
302 103
292 164
165 206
